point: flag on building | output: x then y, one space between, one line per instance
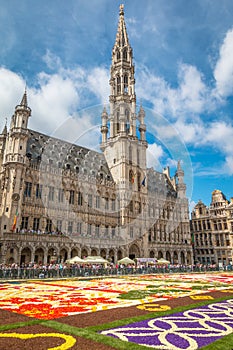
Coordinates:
15 220
144 181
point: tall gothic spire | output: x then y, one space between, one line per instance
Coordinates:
121 36
24 101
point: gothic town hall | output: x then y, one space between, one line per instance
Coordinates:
59 199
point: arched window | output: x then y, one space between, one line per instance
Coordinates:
126 84
118 79
118 55
118 122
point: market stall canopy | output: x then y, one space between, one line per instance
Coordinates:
163 261
95 260
126 261
75 259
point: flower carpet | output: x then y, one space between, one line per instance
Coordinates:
169 312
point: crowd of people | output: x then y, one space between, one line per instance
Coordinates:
60 270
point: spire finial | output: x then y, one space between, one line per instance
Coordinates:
24 101
121 10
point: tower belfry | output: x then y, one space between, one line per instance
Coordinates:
123 144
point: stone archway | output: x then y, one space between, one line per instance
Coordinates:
160 254
12 255
182 257
84 253
103 253
168 256
111 255
94 252
152 254
26 256
39 256
134 251
119 255
63 256
175 257
74 252
52 255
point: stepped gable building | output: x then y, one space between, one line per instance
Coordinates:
212 230
59 200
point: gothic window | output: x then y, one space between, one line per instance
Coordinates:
118 123
118 79
28 189
106 203
79 227
60 195
48 225
118 55
89 229
59 225
113 205
97 202
71 198
80 198
36 223
38 191
51 193
126 84
70 227
24 223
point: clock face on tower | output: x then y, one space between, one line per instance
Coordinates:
15 197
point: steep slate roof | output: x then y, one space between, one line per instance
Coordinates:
44 149
159 183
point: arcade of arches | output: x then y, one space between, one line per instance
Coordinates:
46 254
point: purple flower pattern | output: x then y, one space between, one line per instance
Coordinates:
187 330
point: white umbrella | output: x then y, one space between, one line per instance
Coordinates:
95 260
163 261
126 261
75 259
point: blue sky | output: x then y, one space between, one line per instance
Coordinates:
183 53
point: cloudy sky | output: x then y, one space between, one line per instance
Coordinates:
183 53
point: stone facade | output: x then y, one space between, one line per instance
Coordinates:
59 200
212 230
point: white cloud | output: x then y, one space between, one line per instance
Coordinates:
191 96
11 92
56 99
223 72
154 153
98 82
